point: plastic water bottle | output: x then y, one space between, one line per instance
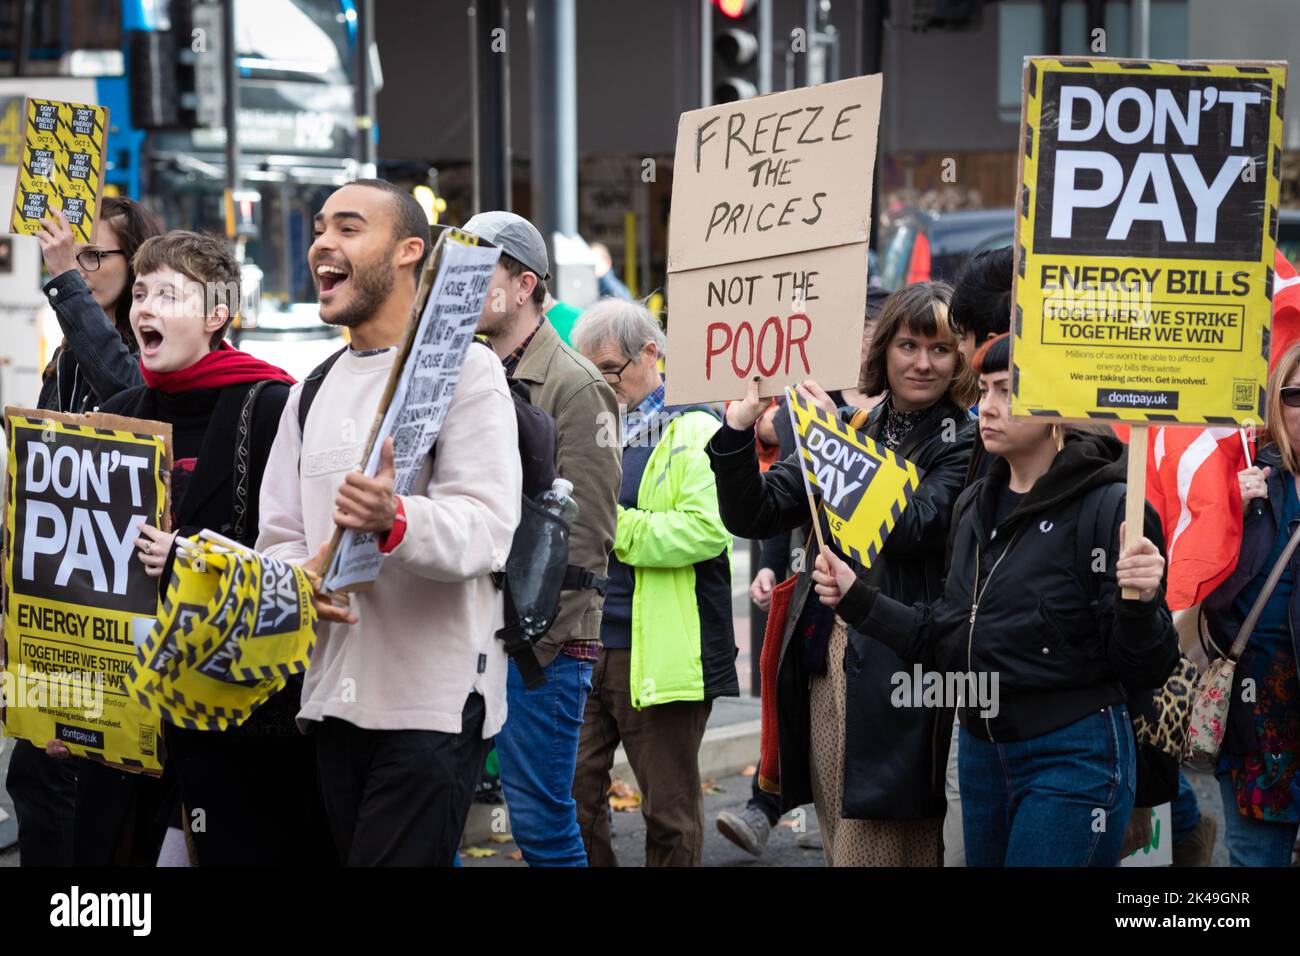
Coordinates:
559 501
535 582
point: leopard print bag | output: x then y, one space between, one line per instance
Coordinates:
1172 706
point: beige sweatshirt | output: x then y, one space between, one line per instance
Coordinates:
425 635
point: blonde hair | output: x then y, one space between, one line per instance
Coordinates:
1274 426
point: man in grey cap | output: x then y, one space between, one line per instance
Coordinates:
538 746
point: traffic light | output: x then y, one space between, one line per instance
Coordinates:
736 50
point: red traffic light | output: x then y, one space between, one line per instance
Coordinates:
734 8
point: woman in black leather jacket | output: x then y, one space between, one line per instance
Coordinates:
874 771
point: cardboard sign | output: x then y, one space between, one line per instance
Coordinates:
767 251
864 486
1148 217
453 288
62 166
78 600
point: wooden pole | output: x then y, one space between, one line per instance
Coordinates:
817 525
1136 496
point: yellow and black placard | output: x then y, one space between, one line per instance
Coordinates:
78 600
234 626
864 486
1146 225
62 166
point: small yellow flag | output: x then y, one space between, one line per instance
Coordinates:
864 487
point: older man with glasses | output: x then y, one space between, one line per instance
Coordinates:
667 630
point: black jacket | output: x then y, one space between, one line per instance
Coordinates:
209 498
1060 644
895 758
94 363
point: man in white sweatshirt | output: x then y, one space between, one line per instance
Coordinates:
408 684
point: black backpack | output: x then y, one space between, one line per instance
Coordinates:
537 443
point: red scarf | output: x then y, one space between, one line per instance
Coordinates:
225 365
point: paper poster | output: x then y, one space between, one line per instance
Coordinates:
78 601
768 241
864 486
426 376
62 166
1148 217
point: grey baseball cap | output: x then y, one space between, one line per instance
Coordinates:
515 236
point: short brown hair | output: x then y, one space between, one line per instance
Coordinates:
515 268
200 257
922 308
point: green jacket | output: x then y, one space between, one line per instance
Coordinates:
683 642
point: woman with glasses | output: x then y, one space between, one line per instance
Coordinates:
1259 763
90 294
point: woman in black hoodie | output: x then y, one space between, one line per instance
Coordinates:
1032 629
874 771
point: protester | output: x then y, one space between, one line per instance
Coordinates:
1259 763
90 293
752 827
669 646
1047 756
608 283
874 771
405 688
255 785
538 748
981 300
981 310
96 360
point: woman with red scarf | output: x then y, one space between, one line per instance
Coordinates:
248 795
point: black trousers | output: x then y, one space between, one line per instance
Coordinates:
44 791
400 797
250 799
768 803
121 817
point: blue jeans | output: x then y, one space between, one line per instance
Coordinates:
1184 814
1253 842
538 749
1059 799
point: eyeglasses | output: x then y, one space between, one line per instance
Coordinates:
88 259
1291 396
617 373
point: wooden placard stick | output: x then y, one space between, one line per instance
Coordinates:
1136 497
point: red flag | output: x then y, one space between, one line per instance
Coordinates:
1192 484
1286 309
1192 475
